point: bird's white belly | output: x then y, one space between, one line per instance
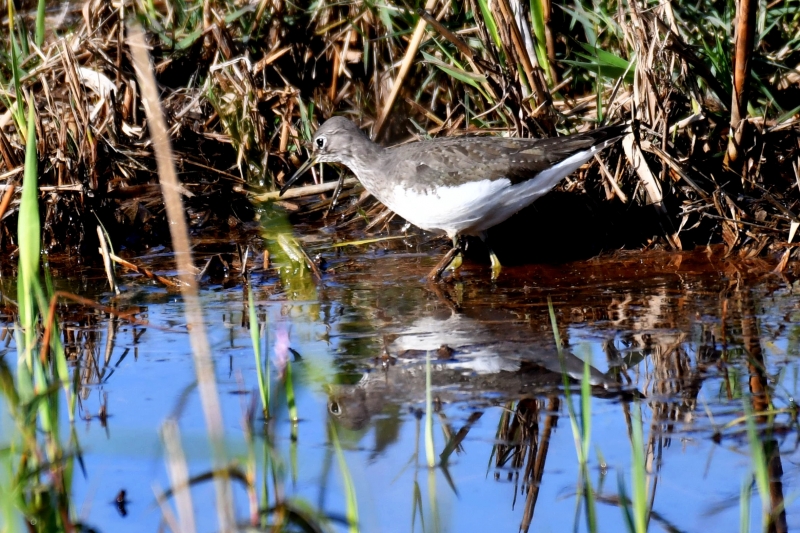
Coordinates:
467 209
452 210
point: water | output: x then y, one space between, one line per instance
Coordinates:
690 337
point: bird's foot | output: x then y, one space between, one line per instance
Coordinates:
496 266
456 262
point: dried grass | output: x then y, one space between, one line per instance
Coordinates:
243 86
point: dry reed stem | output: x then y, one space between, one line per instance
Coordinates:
204 365
611 180
7 197
178 475
166 511
542 96
145 272
411 52
744 36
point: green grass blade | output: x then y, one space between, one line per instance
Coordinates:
577 433
581 16
538 23
290 398
586 408
744 505
24 45
638 472
433 500
16 76
602 56
28 234
624 501
255 337
430 454
417 506
787 115
40 12
491 25
759 462
475 80
591 508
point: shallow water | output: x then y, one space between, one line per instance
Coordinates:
690 337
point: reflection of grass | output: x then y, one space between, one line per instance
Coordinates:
581 429
635 509
275 509
286 253
430 455
349 488
759 471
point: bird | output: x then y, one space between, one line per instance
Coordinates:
456 186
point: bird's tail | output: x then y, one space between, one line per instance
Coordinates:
601 138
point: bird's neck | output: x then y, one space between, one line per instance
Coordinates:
366 165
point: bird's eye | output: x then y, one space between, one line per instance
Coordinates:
321 142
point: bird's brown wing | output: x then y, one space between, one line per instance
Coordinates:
457 160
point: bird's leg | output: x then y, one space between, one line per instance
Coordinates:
496 266
452 256
458 245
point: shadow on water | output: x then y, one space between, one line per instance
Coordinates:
696 340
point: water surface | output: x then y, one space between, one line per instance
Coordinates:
692 338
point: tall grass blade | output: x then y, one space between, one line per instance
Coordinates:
586 408
29 239
624 501
417 506
577 432
290 398
638 473
538 23
433 500
491 25
759 463
16 76
580 432
475 80
430 454
586 437
744 505
255 337
24 45
40 13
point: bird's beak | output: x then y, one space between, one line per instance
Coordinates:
300 171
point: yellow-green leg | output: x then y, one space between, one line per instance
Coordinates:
496 266
457 261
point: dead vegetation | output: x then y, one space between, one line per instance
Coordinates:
243 85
